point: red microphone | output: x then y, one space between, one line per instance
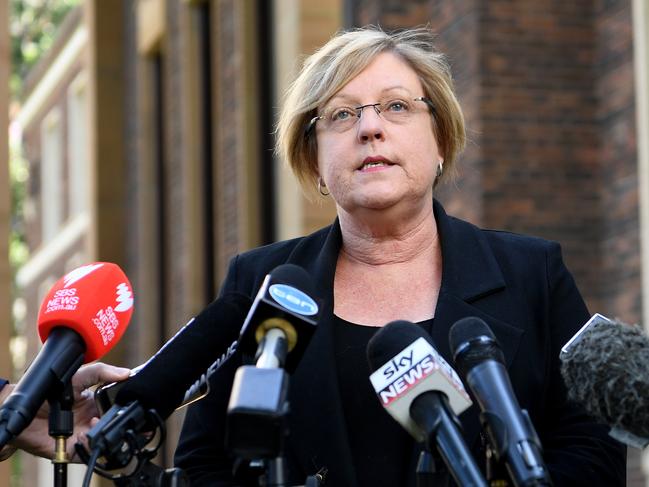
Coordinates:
94 300
82 317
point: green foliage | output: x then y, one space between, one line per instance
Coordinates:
33 25
18 175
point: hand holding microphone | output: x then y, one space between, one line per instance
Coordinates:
35 440
82 317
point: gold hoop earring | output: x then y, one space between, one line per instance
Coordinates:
321 187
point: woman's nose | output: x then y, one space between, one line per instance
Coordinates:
371 125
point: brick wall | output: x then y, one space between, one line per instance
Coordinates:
538 106
617 158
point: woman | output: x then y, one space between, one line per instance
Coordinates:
372 122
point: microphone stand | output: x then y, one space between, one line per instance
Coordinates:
257 424
61 427
256 421
152 475
129 439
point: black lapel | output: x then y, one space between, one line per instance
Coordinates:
470 273
319 438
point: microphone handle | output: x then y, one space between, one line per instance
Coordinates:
509 427
430 411
5 436
272 350
61 356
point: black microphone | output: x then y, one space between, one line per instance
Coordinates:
422 392
162 381
160 384
278 329
606 370
479 359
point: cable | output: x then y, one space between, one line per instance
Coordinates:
91 467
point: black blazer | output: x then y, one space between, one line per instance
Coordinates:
517 284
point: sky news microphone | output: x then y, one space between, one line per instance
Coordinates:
606 370
81 318
479 359
278 329
422 392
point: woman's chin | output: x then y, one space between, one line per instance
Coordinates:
385 201
379 201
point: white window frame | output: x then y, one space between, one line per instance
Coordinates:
77 143
51 191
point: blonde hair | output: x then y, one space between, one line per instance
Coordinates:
336 63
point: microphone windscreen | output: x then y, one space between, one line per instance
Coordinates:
161 383
472 342
390 340
294 276
607 372
95 300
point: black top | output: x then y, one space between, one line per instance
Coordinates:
380 446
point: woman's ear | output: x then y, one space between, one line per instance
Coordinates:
322 187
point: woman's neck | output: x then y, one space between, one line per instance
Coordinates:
385 241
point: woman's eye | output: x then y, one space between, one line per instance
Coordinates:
341 114
396 106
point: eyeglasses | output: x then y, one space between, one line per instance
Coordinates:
342 118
